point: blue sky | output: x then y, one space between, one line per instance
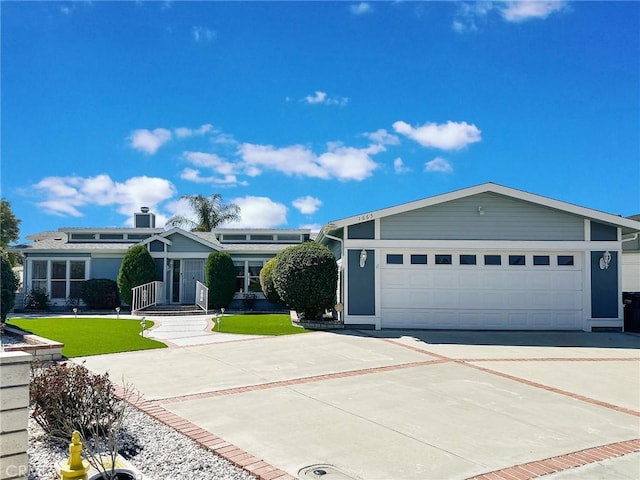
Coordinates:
306 112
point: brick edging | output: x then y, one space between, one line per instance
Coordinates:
540 468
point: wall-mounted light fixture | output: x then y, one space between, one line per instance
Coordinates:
363 258
605 260
169 263
480 210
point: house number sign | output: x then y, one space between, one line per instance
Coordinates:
365 217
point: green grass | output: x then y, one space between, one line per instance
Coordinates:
89 336
259 324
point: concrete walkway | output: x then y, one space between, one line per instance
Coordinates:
402 405
187 331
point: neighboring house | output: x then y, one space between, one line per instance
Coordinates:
485 257
631 261
59 261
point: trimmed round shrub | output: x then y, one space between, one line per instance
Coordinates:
100 294
137 268
8 286
267 284
220 278
306 277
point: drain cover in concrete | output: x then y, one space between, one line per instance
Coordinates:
323 472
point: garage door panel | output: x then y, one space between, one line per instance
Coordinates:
479 296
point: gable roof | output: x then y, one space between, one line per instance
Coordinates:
208 242
629 226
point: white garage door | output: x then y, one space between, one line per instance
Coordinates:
464 290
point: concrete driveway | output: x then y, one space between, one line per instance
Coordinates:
403 405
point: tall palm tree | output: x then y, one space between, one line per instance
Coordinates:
208 213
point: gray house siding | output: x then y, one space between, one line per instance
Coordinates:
362 231
603 233
502 218
181 244
361 284
105 268
604 287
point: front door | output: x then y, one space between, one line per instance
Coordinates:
191 271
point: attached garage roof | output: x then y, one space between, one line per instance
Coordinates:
628 226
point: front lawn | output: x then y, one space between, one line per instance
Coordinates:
89 336
259 324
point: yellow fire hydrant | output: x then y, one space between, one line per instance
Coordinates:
74 468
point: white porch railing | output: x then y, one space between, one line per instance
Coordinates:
202 296
147 295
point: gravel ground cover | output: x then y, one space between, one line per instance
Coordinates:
158 451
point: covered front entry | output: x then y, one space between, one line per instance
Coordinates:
185 273
481 290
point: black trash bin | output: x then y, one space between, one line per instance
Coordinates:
631 302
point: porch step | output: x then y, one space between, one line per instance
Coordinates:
169 310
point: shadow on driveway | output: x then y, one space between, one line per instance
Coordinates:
509 338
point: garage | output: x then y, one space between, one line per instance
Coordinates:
486 290
487 257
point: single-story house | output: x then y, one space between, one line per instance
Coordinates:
485 257
56 261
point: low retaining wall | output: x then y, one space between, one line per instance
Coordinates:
40 348
15 371
329 324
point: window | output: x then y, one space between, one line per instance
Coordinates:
76 278
82 236
58 279
261 238
138 236
253 268
565 260
111 236
541 259
287 237
467 259
517 260
418 259
394 259
492 260
248 275
234 237
39 275
443 259
156 246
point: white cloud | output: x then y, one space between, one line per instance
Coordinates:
383 137
318 97
210 160
323 98
446 136
314 227
522 10
361 8
438 164
259 212
307 205
203 34
149 141
184 132
469 14
399 166
193 175
67 195
343 163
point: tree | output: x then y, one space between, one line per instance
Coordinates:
266 281
306 278
137 268
9 229
9 225
7 287
220 278
209 212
